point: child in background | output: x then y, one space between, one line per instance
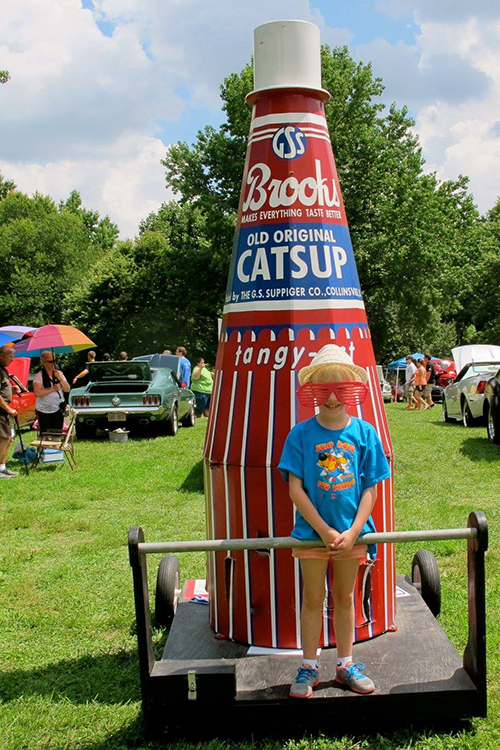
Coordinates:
332 463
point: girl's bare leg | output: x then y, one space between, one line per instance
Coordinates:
313 576
343 598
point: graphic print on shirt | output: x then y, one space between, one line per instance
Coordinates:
334 460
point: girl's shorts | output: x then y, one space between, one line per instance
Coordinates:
360 552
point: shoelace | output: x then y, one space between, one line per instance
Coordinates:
305 674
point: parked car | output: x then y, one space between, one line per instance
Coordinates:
445 371
464 398
445 374
385 386
491 408
24 401
139 393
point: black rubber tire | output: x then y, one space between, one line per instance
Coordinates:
167 586
446 418
467 418
189 420
425 578
172 423
85 431
493 424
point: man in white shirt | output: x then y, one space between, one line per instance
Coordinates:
409 381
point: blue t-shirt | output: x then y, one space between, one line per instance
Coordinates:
335 466
185 373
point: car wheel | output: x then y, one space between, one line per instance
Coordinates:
446 418
85 431
467 418
172 423
493 427
190 419
425 578
167 591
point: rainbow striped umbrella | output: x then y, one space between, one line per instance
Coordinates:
59 339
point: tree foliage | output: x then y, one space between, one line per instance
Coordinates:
44 251
153 293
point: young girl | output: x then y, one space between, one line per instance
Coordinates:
332 463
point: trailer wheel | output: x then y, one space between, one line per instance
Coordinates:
167 591
425 578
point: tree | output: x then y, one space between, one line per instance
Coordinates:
410 233
44 252
153 293
482 322
4 76
102 233
6 186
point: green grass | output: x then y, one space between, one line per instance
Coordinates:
68 666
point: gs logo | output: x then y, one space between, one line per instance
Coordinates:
289 142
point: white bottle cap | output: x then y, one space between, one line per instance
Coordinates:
287 55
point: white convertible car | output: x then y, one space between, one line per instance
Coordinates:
463 399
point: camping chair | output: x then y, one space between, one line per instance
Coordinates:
56 440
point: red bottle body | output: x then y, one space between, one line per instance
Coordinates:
293 287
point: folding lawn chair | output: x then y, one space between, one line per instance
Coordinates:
56 440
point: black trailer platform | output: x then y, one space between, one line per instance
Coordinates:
203 685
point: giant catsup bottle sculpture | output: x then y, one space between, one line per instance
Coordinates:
293 287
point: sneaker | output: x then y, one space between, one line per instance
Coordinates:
353 677
409 408
9 473
307 679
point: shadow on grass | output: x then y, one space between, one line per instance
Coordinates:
108 678
194 480
136 735
480 449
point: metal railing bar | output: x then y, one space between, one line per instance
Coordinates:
286 542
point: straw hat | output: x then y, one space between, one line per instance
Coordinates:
331 355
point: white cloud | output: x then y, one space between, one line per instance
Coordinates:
461 137
452 11
72 89
82 109
450 79
200 43
127 183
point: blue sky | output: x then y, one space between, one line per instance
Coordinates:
100 88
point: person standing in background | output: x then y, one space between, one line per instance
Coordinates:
6 412
202 385
185 373
420 383
84 374
430 371
48 385
409 381
123 357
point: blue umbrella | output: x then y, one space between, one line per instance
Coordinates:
398 363
13 333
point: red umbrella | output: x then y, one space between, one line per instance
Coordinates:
58 338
